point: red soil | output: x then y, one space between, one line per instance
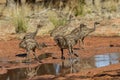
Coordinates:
93 45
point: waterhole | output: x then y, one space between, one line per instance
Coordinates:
62 68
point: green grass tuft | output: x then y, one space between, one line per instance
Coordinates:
19 21
57 21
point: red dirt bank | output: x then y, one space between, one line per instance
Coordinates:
93 45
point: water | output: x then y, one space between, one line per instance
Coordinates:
108 59
62 68
23 73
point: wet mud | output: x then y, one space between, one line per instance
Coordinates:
99 60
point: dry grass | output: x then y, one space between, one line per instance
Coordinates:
55 20
75 7
110 5
18 18
2 1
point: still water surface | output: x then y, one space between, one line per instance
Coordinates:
62 68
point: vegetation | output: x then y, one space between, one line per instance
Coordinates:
57 22
80 8
75 7
19 20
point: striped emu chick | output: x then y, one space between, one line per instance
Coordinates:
32 35
31 45
85 31
68 41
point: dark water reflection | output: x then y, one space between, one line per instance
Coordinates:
65 67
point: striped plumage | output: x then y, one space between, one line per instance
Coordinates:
85 31
29 45
67 42
32 34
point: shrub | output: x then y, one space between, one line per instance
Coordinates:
57 21
19 20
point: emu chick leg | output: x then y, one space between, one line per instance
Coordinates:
36 56
81 43
62 54
28 57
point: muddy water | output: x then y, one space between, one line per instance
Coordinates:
62 68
